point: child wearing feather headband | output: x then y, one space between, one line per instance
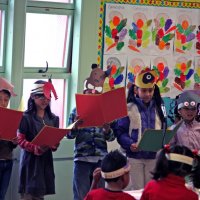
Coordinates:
115 171
172 166
37 177
144 112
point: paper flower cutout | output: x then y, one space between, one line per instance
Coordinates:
116 77
183 73
139 34
163 32
115 33
184 36
198 41
162 80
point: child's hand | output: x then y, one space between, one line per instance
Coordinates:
44 148
133 147
78 123
96 178
14 141
106 128
97 174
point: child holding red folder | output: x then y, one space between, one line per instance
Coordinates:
90 143
6 147
36 165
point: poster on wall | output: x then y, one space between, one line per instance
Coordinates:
163 31
163 65
165 36
117 77
185 34
139 30
115 34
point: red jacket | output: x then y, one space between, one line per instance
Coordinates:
170 188
103 194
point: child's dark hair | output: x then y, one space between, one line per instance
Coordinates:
6 92
164 166
31 107
113 161
156 96
195 175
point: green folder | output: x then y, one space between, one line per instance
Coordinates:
152 139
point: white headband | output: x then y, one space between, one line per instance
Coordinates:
179 158
116 173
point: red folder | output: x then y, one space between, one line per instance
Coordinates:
50 136
9 123
98 109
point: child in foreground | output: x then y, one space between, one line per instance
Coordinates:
173 165
115 171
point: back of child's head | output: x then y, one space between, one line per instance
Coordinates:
175 160
113 166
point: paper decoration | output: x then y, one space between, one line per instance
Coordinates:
139 33
197 70
185 32
9 123
96 110
160 65
115 31
183 73
163 31
116 78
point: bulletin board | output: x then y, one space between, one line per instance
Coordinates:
163 35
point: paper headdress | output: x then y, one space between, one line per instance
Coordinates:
146 78
188 99
94 83
43 87
116 173
5 85
179 158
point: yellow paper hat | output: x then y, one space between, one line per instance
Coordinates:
146 78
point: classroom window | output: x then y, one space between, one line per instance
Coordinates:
2 29
62 1
46 39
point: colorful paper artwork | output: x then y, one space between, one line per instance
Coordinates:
197 70
163 32
184 35
161 66
183 71
116 78
198 41
115 31
139 33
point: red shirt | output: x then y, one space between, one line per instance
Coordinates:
170 188
103 194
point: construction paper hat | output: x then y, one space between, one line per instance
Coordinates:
188 99
5 85
146 78
43 87
94 83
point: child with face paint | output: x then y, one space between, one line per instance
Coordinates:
144 112
115 171
188 133
6 147
36 162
